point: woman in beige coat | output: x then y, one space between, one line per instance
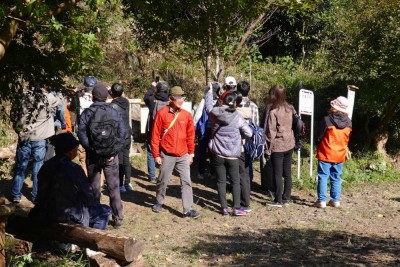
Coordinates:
280 144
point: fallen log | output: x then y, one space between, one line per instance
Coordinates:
122 248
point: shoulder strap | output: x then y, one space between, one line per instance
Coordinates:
171 124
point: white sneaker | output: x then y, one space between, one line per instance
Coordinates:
320 204
335 204
91 253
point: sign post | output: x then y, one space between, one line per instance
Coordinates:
351 94
306 107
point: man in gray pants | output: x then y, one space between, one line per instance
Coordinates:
172 145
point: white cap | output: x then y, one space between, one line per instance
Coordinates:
230 81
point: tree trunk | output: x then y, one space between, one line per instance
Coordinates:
123 248
380 141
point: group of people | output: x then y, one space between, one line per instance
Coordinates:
64 191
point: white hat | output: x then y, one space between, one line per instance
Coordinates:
341 103
230 81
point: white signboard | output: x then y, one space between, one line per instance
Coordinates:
306 102
306 107
351 94
144 113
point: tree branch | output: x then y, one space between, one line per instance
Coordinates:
8 33
261 19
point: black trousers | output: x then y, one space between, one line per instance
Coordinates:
244 180
282 166
124 163
95 165
223 167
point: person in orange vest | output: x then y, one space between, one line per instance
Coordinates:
332 138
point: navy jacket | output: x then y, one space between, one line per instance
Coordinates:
83 129
64 193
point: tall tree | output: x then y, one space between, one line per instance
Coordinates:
366 52
212 29
41 40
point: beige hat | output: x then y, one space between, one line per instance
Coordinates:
176 91
341 103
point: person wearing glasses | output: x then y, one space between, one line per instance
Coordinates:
172 145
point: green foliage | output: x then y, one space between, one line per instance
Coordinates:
361 168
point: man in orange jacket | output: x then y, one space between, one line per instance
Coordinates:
172 145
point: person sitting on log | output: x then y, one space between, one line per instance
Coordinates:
64 192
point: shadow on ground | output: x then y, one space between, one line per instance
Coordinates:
297 247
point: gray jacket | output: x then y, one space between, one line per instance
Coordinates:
227 127
31 115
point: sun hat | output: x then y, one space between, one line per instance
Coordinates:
341 103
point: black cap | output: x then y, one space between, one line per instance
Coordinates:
64 142
100 92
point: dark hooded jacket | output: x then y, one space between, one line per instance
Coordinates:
155 103
333 136
121 104
64 193
227 127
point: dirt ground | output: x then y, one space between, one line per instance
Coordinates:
365 231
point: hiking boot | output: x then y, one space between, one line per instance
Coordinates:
224 212
320 204
335 204
16 200
200 176
275 204
239 212
122 189
157 208
246 209
153 180
117 223
192 214
129 187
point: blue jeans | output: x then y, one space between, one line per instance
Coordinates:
26 149
151 164
99 216
334 171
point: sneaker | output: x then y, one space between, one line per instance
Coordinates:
157 208
200 176
192 214
335 204
117 223
122 189
91 253
320 204
246 209
129 187
275 204
153 180
239 212
16 200
224 212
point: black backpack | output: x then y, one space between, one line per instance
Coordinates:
103 131
298 128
